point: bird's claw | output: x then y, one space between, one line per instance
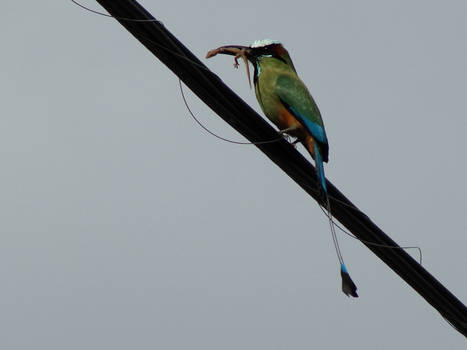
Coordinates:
294 142
236 64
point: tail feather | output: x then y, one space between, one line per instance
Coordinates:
348 286
320 169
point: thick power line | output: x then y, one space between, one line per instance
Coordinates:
210 89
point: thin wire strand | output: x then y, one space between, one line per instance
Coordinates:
215 135
148 39
372 243
362 240
107 15
343 230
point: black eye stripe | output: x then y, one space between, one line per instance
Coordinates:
273 55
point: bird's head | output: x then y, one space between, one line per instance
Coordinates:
254 53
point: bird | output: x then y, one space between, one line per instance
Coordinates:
287 103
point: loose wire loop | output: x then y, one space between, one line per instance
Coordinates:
343 230
215 135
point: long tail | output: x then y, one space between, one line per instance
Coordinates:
320 169
348 286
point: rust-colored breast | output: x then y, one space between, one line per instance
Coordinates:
287 120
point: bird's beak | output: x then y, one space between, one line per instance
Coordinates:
238 51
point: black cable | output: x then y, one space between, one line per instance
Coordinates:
210 89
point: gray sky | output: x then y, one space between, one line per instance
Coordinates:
123 225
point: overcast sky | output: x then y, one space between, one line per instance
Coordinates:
123 225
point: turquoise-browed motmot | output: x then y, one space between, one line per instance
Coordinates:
286 101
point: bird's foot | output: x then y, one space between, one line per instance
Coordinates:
285 131
284 134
